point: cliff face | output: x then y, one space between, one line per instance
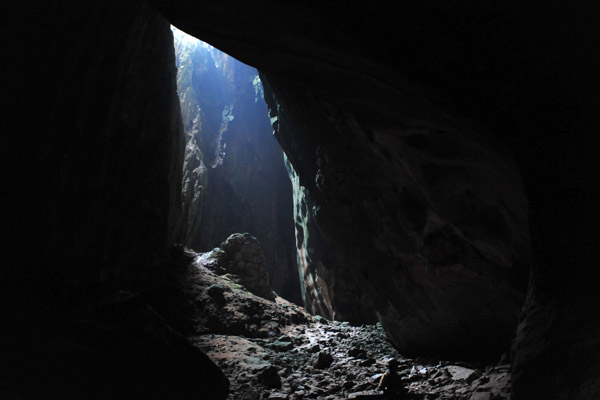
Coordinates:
94 109
429 220
328 288
234 176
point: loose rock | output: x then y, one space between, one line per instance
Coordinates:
265 354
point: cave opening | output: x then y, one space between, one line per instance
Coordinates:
383 111
237 179
234 177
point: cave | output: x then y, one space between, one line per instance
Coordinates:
442 163
234 176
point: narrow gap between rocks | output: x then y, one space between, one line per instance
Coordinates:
234 177
238 290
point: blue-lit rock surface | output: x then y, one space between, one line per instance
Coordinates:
234 176
521 71
421 210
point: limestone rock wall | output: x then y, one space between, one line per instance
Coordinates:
92 166
430 220
234 176
328 288
522 70
90 187
426 207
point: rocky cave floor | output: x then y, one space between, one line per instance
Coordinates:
276 350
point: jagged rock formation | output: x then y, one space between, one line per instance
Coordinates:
242 256
328 288
439 245
518 69
424 210
234 176
276 350
200 297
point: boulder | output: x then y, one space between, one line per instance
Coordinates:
461 373
245 259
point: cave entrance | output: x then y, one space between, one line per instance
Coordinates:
234 176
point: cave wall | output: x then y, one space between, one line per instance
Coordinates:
328 288
90 188
522 70
234 176
91 166
424 208
429 217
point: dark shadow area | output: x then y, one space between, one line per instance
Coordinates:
444 172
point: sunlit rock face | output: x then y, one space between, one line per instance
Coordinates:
421 208
234 176
328 288
523 73
430 219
